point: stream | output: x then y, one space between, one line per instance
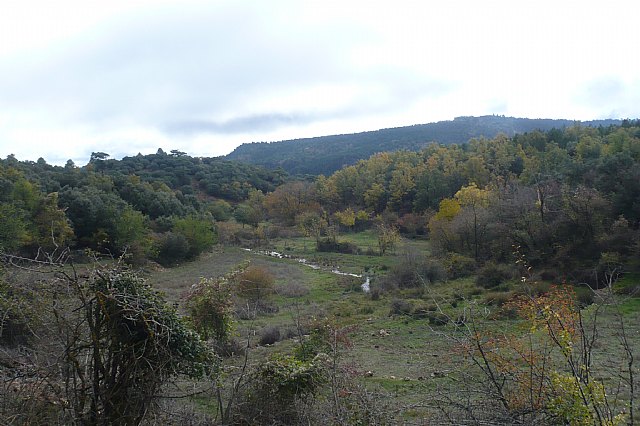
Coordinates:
365 285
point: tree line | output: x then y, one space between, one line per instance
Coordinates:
568 199
160 206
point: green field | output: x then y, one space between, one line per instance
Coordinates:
406 358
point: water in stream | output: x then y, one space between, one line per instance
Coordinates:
365 286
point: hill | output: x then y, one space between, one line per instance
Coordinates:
326 154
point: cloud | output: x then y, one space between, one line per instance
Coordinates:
245 124
610 96
204 76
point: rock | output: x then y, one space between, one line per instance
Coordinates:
368 374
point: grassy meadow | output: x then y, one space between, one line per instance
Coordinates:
399 350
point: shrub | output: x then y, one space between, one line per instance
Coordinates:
437 318
17 315
197 231
415 270
385 284
421 312
228 232
277 388
459 266
210 306
131 342
293 289
534 288
374 293
350 284
400 307
220 210
584 296
329 245
498 298
255 283
269 336
549 275
491 275
172 249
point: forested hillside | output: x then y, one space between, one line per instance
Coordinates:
563 197
160 206
496 281
326 154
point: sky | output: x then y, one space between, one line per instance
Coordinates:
129 77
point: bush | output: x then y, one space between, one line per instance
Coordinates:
277 388
415 270
498 298
229 347
197 231
292 289
535 288
269 336
172 249
18 314
584 296
491 275
131 342
400 307
374 293
350 284
210 306
331 246
549 275
255 283
437 318
593 277
459 266
421 312
228 233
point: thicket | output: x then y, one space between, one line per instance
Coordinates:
564 196
161 206
95 347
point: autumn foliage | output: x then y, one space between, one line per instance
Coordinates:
542 367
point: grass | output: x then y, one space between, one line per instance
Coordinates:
407 357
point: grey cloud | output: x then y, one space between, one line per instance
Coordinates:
244 124
179 64
183 72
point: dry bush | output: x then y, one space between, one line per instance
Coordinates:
269 336
400 307
292 289
255 283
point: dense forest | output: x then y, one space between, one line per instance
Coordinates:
564 196
160 206
327 154
489 264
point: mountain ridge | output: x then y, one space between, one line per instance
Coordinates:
326 154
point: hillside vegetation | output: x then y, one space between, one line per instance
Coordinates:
327 154
491 282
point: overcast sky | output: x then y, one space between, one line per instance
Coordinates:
124 77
